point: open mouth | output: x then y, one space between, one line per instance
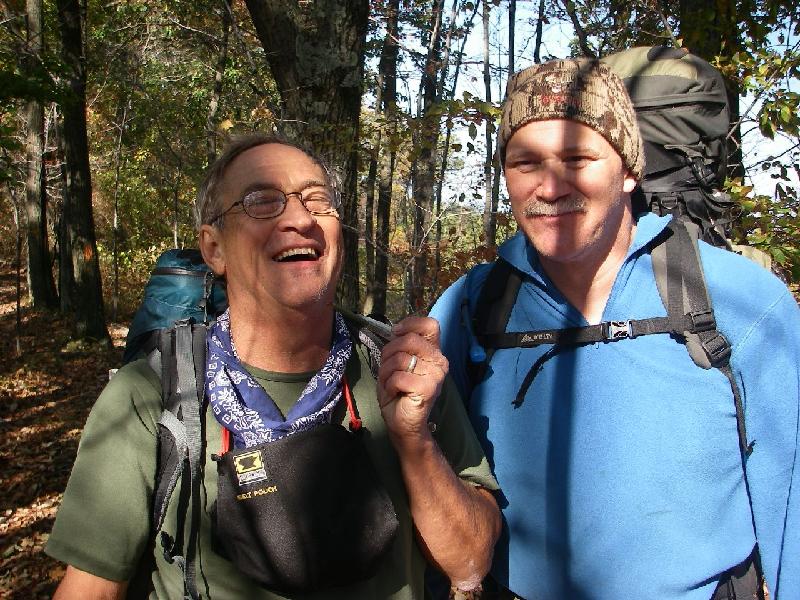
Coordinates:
296 254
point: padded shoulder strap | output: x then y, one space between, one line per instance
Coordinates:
371 332
180 361
497 298
492 312
682 286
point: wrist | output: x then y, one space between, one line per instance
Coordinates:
413 445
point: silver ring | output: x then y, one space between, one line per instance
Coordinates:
411 364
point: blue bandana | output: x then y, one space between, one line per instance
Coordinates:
243 407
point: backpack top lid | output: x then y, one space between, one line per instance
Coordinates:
181 286
682 107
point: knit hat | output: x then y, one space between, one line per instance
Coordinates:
582 90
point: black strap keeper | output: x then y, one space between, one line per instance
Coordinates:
718 349
701 320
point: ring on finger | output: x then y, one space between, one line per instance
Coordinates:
411 364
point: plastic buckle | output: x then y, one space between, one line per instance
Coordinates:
717 348
618 330
702 320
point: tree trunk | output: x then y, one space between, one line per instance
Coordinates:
490 200
537 50
316 54
216 92
41 285
369 227
583 37
512 19
440 92
388 83
78 239
427 133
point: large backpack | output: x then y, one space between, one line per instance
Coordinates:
683 113
181 286
182 298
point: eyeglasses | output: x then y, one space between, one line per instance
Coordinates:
270 203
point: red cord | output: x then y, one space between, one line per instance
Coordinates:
226 441
355 422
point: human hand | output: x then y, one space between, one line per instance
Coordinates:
410 379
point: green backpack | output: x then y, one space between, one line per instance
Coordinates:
682 108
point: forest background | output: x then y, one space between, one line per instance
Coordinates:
110 110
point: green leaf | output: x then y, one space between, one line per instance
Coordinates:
778 256
786 113
473 131
767 127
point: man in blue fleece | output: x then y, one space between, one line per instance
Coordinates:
619 463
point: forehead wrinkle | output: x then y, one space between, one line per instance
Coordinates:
566 147
264 185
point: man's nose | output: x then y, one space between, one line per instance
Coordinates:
295 214
552 184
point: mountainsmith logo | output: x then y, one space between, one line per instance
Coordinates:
249 467
533 338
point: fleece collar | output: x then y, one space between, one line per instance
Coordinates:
521 254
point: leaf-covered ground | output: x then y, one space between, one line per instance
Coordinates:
45 397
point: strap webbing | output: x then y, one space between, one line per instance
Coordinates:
190 402
608 331
163 492
492 312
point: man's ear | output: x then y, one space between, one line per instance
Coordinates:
629 183
211 247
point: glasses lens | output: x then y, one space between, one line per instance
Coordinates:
263 204
319 200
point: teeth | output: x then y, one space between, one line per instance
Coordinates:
295 251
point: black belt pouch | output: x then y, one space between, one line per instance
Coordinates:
303 513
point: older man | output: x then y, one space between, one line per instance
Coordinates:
619 461
281 365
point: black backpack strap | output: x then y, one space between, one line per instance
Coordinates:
181 354
681 284
492 312
686 292
372 332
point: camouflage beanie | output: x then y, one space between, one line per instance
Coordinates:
581 90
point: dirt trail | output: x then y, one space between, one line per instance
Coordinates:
45 396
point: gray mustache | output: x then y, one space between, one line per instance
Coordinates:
539 208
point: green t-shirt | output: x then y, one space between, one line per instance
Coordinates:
103 525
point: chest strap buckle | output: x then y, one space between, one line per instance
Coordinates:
617 330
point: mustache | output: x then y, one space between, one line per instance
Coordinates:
540 208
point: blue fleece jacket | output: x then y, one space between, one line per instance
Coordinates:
621 474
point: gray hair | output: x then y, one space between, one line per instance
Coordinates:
209 203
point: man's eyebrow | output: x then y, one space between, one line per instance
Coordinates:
313 183
580 149
263 185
